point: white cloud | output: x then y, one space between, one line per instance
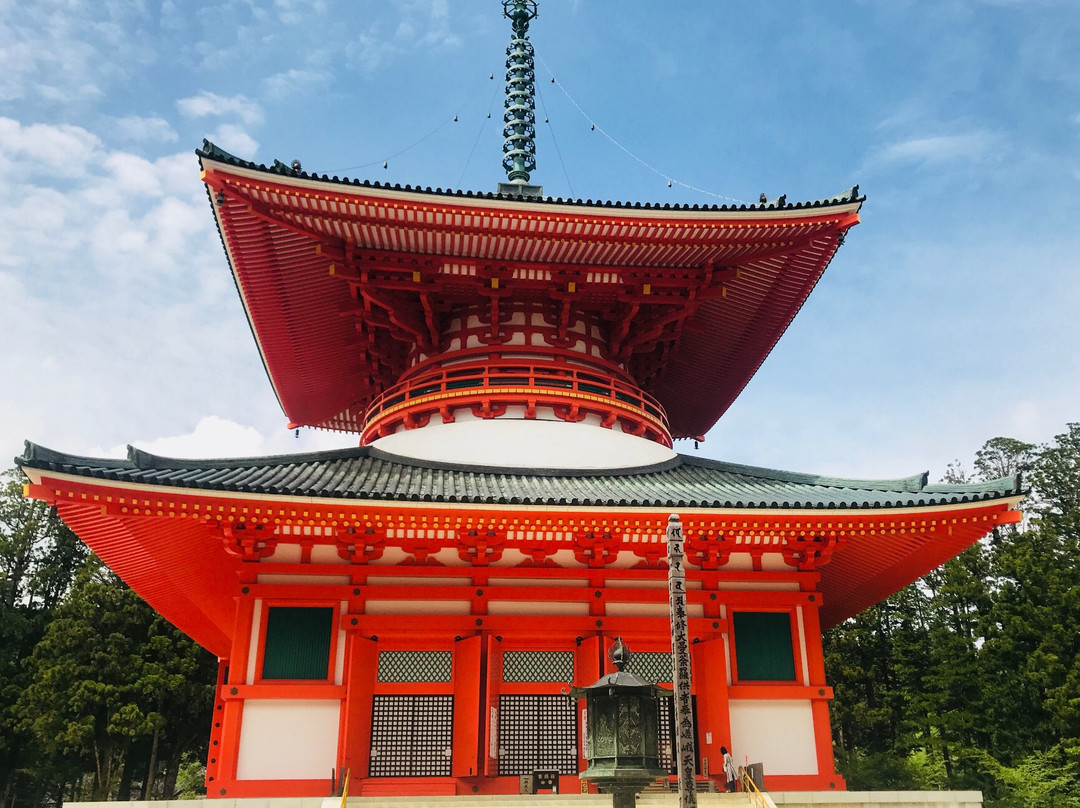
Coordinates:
235 140
43 54
212 437
65 52
114 291
57 150
133 174
207 104
294 82
423 25
973 146
119 307
150 128
438 32
295 12
371 50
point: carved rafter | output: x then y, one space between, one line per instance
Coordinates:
247 544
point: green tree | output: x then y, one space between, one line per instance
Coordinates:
39 557
113 687
99 696
1004 457
39 554
1031 651
969 678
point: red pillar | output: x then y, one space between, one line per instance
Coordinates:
228 750
468 712
815 658
361 667
710 684
490 718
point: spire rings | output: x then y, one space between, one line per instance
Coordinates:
519 145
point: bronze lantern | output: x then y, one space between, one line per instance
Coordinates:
621 730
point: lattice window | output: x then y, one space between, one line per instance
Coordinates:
411 736
666 731
537 732
415 666
666 726
652 666
538 666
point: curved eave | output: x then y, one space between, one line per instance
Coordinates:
874 565
892 531
285 234
173 564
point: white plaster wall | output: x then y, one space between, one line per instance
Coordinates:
392 556
636 583
774 562
778 733
253 642
740 562
617 609
288 739
804 662
623 609
531 607
525 444
531 582
405 580
417 607
306 580
284 554
757 586
326 554
339 657
449 557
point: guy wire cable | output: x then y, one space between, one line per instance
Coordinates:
596 127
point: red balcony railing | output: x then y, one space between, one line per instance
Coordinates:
488 388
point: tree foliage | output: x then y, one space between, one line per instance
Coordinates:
970 678
99 697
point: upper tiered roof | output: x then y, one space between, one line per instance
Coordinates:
695 296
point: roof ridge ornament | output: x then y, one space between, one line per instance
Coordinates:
519 145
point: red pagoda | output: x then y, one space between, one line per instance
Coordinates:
517 368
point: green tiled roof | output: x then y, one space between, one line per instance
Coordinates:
369 474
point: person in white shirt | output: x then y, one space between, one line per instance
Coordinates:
730 774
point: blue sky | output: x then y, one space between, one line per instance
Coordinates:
950 315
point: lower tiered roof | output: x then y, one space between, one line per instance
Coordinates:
182 532
366 473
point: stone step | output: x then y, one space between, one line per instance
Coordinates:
645 800
782 799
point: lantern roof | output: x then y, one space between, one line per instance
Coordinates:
621 681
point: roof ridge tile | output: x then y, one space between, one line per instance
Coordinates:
210 151
684 482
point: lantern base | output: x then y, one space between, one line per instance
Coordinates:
623 784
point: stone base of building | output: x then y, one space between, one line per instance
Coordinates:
781 799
